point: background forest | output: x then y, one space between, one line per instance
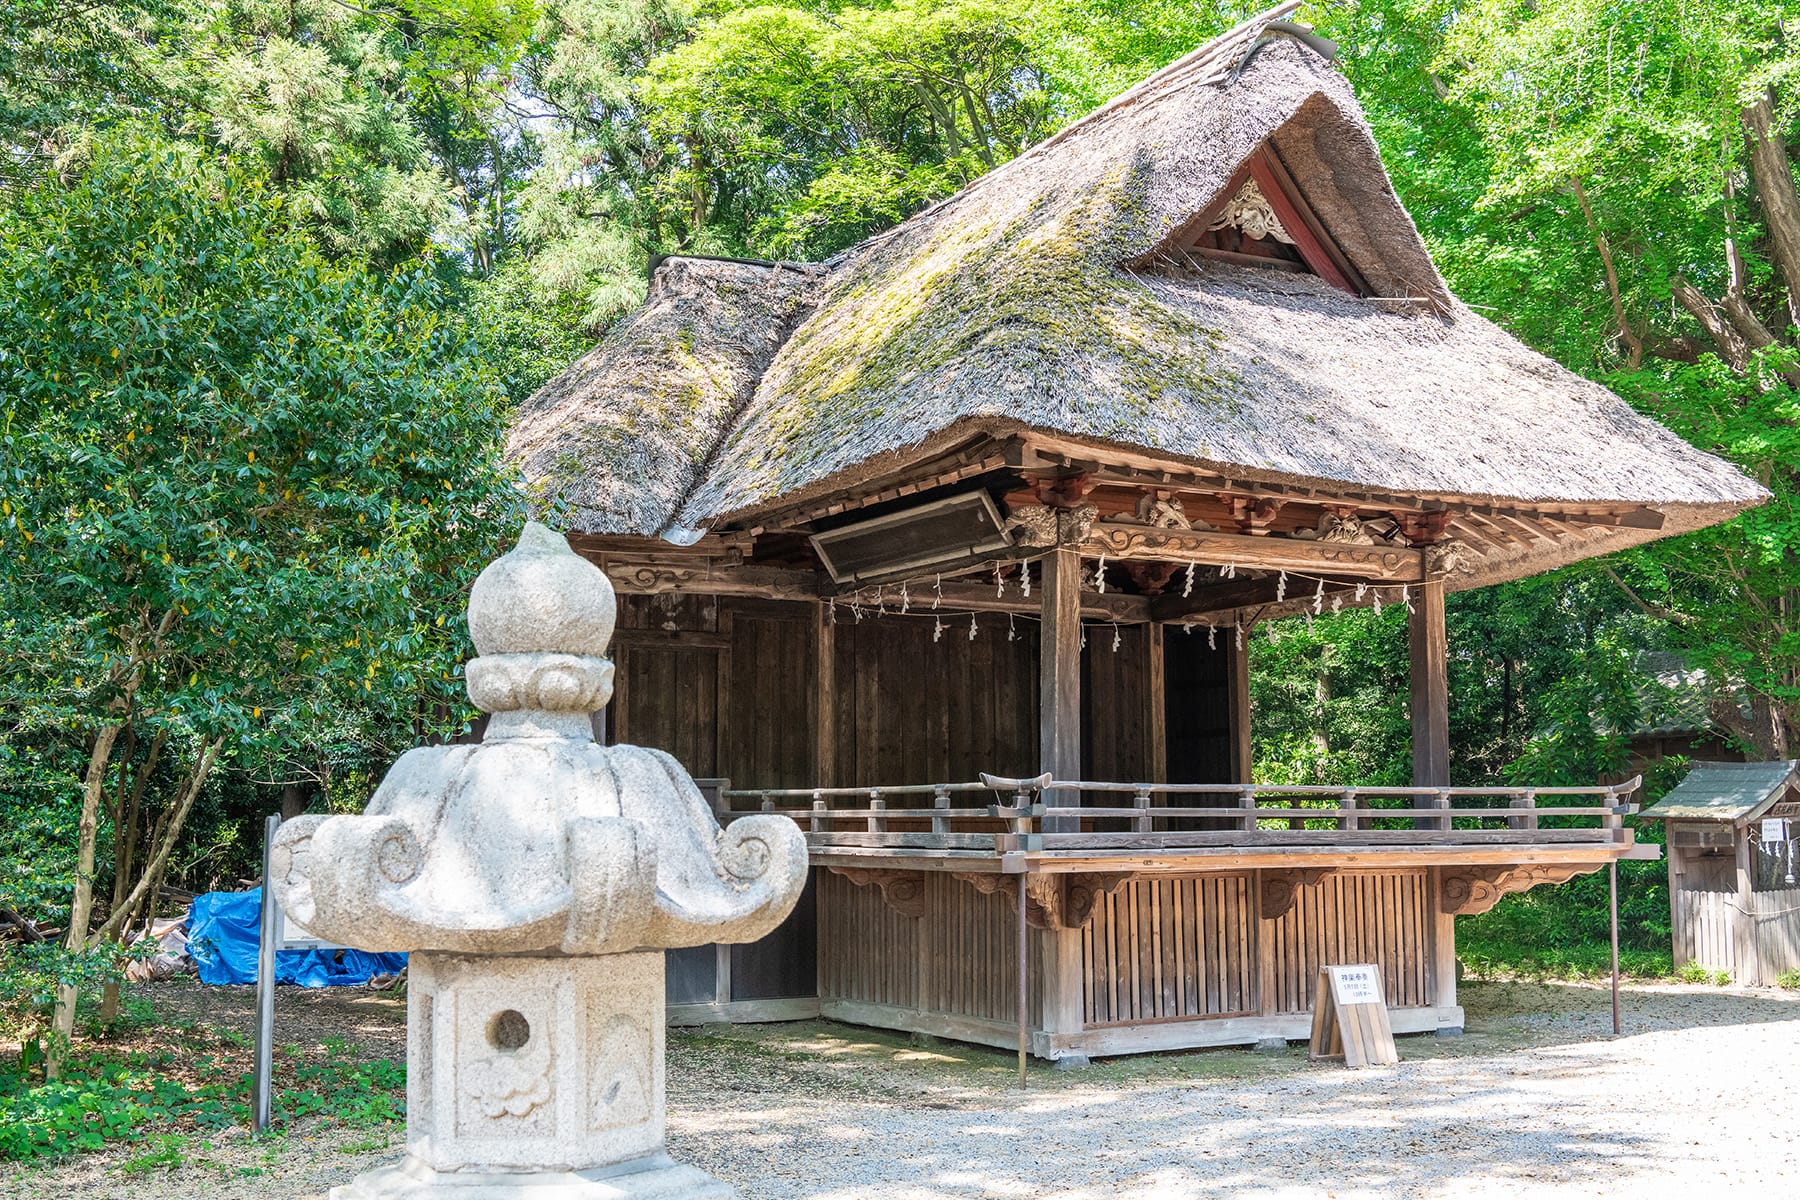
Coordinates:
275 270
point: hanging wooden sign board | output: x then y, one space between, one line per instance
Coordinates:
1350 1018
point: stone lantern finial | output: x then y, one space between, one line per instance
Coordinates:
536 879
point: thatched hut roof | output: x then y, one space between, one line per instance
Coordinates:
1039 298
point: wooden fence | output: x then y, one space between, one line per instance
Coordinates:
1706 926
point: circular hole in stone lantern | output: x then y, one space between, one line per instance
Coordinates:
508 1030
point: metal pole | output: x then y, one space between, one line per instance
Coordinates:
1612 904
1024 981
265 988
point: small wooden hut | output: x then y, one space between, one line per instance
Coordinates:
1004 490
1734 903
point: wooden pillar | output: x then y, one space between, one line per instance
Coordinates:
1237 685
1156 705
1746 959
1430 687
1059 722
1059 665
1677 881
825 700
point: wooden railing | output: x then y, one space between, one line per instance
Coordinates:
1044 814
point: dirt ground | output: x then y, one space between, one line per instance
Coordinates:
1536 1100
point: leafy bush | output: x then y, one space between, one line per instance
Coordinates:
104 1098
30 975
131 1097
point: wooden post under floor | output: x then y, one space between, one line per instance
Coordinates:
1059 723
1443 951
1428 656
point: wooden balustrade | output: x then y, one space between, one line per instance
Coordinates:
1046 816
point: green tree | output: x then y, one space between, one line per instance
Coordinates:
1637 218
243 491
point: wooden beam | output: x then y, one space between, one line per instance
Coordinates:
1272 166
1226 598
711 579
1428 659
1383 562
1115 465
1222 858
1311 245
1059 722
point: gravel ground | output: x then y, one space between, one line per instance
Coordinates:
1537 1100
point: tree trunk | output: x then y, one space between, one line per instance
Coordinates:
294 800
1774 177
1727 341
81 907
1629 336
159 857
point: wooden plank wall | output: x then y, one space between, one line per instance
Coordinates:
1115 712
959 958
1170 949
728 687
1182 948
725 685
911 709
1355 917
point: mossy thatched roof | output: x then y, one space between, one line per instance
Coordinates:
1022 303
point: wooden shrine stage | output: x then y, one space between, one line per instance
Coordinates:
1157 916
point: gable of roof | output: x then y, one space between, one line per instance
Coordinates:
1734 792
1037 299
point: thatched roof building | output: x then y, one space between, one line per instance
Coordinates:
1062 295
1183 367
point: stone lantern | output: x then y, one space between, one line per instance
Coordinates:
536 879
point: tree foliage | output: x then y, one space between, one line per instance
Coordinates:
243 486
272 267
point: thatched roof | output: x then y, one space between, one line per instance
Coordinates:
624 435
1034 300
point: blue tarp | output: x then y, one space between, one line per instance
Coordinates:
225 931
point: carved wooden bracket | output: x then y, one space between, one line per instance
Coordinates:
1151 578
1278 888
1063 491
1465 891
1051 901
1043 525
1252 513
904 891
1081 894
1422 528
